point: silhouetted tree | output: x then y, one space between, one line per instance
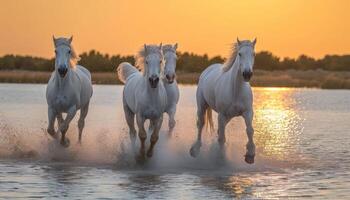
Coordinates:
187 62
267 61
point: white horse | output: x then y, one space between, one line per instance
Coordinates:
170 83
226 89
68 90
144 95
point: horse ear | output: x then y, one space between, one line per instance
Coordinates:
238 42
175 46
254 42
70 39
54 39
145 46
160 46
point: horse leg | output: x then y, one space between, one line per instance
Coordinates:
172 121
130 119
150 128
59 119
142 134
64 126
250 154
201 109
51 126
222 122
81 122
157 124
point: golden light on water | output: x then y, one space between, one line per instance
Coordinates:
239 185
277 123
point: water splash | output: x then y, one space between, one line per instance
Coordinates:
106 141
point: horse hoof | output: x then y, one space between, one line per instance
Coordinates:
140 159
194 152
149 154
249 159
52 133
65 143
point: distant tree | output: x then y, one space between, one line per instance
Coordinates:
216 59
335 62
187 62
267 61
288 63
305 62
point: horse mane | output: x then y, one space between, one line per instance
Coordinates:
142 54
74 58
231 59
168 48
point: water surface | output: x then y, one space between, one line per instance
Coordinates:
302 138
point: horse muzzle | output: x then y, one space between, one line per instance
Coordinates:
170 78
153 80
247 75
62 71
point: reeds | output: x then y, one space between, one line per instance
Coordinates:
287 78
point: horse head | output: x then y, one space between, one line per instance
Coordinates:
169 52
246 54
153 62
63 51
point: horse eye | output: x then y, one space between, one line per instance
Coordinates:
239 54
69 52
160 62
146 62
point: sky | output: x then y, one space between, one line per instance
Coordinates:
286 28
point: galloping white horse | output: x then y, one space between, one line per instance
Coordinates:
226 89
144 95
69 89
170 83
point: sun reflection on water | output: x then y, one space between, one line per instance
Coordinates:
277 121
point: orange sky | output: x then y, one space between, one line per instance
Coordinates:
286 28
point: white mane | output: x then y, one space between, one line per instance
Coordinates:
142 54
74 56
235 47
168 48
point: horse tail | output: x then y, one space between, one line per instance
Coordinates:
208 119
124 70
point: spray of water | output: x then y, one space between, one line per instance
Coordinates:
102 146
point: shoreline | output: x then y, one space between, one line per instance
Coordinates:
288 78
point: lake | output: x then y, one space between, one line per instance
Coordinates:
302 138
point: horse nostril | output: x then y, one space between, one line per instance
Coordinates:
167 76
153 80
62 71
247 74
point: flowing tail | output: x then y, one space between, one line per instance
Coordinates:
208 119
124 70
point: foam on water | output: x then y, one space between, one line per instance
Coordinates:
108 148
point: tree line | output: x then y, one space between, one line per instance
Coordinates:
187 62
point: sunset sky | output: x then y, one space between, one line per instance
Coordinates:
286 28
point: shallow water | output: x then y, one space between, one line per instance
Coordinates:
302 138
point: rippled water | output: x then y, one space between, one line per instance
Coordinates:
302 138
